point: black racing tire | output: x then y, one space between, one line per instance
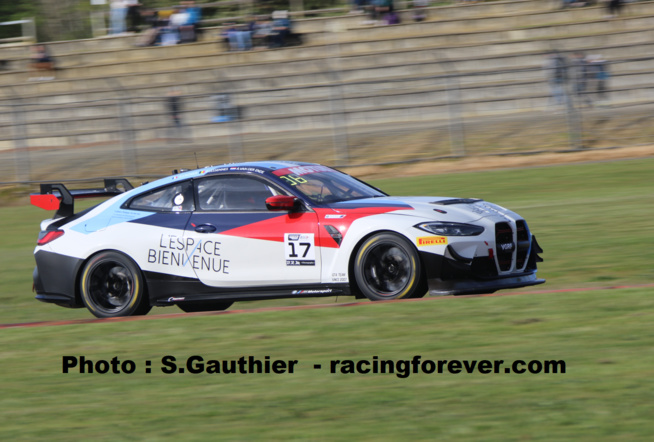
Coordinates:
112 285
387 266
206 306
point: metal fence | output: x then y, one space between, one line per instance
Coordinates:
340 121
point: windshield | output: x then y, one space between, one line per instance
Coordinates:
321 185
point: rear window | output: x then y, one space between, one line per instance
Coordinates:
174 198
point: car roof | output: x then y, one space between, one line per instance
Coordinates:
265 165
252 166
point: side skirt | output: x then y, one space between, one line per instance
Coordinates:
170 290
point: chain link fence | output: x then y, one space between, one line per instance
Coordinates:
341 120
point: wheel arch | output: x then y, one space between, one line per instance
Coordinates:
354 288
80 271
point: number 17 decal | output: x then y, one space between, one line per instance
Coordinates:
299 249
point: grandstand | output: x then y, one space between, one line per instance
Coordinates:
478 62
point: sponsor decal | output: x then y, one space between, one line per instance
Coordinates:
246 169
507 247
299 249
334 216
302 170
311 292
177 251
173 299
431 240
235 169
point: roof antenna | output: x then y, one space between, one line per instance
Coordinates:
197 166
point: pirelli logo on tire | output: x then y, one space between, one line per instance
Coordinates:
431 241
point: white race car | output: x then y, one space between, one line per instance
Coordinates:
205 238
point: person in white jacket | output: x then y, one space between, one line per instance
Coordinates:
118 15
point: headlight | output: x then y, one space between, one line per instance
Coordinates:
451 229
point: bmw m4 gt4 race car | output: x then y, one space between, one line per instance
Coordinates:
205 238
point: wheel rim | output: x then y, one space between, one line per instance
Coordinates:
111 286
387 269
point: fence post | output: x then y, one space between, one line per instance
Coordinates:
575 127
236 133
126 131
454 104
336 103
127 137
457 133
570 98
21 157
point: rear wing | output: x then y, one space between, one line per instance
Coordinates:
55 196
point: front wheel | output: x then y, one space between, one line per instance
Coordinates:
387 266
112 286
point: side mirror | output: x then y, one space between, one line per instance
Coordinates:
282 202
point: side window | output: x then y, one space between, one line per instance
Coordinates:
175 198
230 193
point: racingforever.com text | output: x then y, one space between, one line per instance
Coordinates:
244 365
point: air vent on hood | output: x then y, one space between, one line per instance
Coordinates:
457 201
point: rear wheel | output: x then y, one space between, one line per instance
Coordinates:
192 307
387 266
112 286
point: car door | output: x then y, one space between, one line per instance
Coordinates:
237 242
154 233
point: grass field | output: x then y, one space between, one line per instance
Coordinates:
594 222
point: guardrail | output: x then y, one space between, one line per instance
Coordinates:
332 123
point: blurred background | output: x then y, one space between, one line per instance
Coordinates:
135 88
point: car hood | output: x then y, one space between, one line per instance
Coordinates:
437 208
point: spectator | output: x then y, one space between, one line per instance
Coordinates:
194 12
579 76
224 109
392 18
556 69
195 15
177 22
261 32
151 34
41 61
224 34
382 8
598 73
614 7
133 15
419 10
176 129
118 14
358 6
170 35
240 38
281 29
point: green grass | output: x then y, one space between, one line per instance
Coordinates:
594 222
604 337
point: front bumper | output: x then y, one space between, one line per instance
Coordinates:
438 287
456 275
